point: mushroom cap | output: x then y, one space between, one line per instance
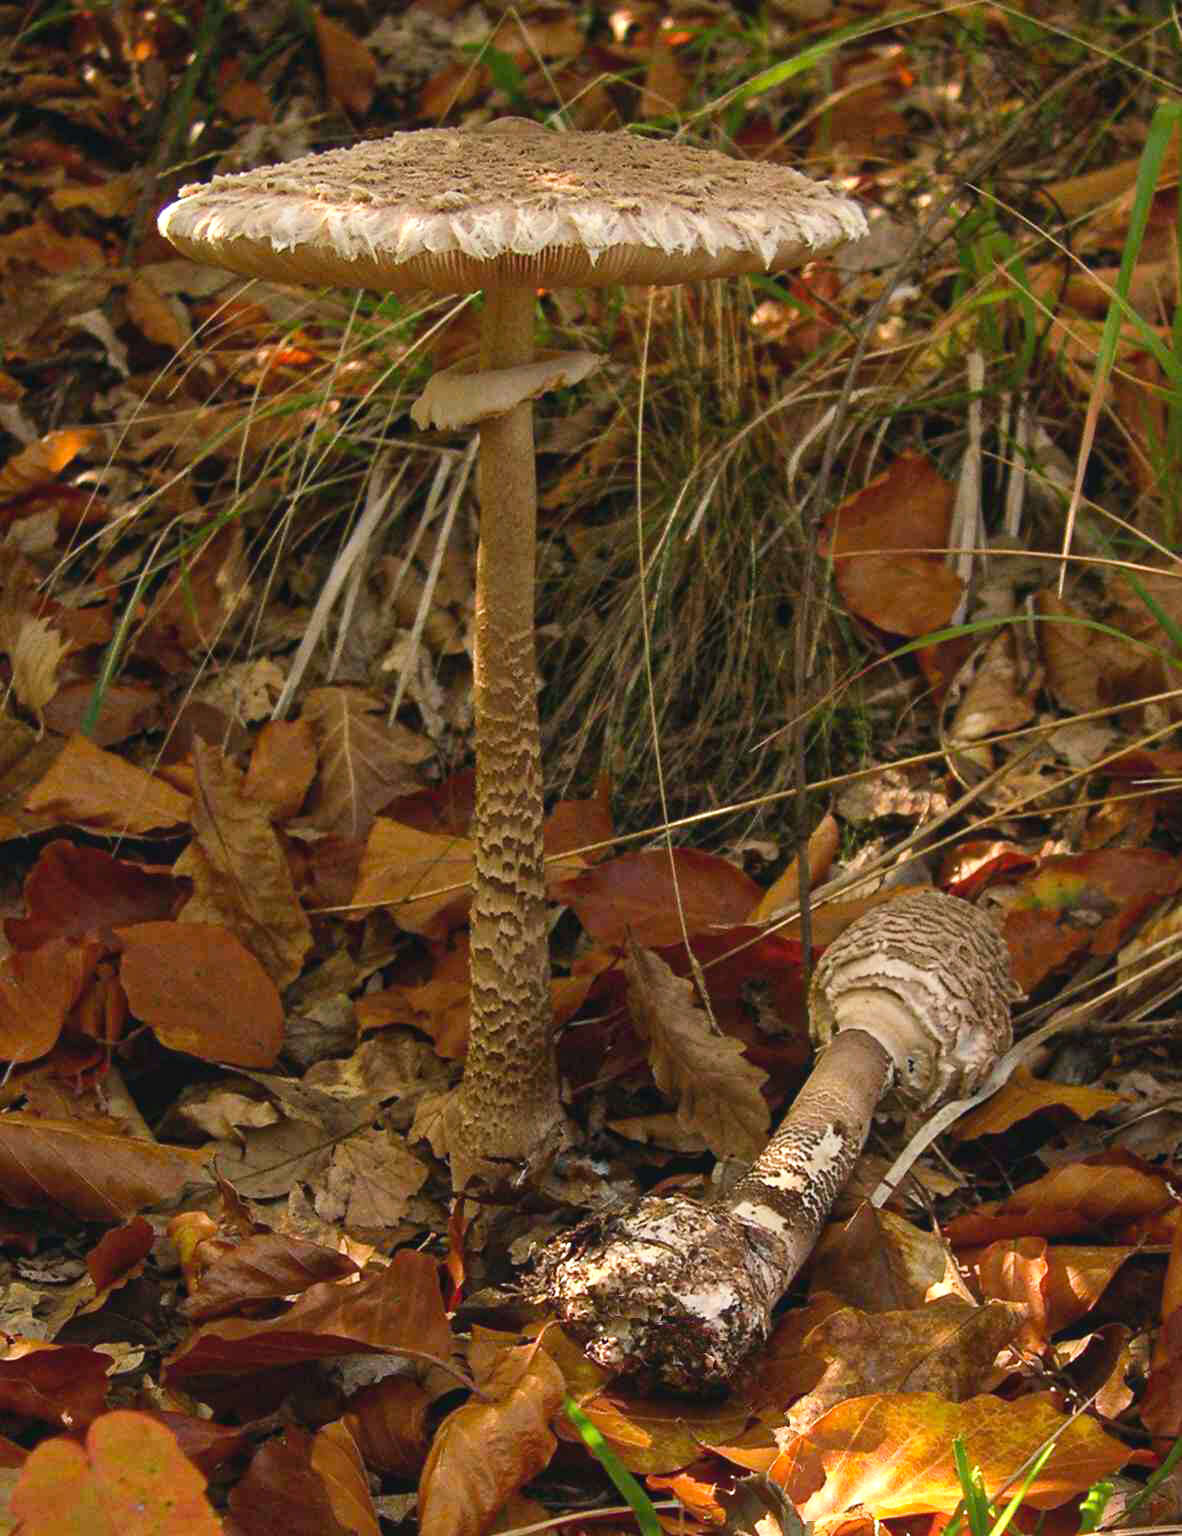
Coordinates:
936 973
452 210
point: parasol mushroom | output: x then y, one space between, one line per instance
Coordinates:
912 1006
506 209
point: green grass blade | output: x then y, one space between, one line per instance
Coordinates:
809 58
630 1490
1092 1506
1158 1475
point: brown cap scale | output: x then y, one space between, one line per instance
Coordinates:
507 209
912 1004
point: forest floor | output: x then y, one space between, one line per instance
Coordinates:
236 1293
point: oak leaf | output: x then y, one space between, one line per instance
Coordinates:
240 871
717 1091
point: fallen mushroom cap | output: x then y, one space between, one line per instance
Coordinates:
456 209
681 1294
945 968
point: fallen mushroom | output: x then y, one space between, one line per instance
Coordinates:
912 1006
508 208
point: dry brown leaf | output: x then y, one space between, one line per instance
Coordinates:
100 789
110 199
1024 1095
127 709
190 613
40 245
947 1346
659 1434
878 1262
280 1491
1085 668
1077 195
388 1420
1112 1192
64 1385
1001 694
893 1454
282 767
38 988
43 460
350 70
401 862
370 1181
716 1089
364 763
648 896
485 1451
664 84
158 316
785 891
35 650
245 100
870 538
201 992
241 874
1058 1283
131 1478
264 1266
399 1307
336 1458
92 1172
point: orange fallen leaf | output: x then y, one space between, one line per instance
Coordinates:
130 1479
100 789
202 992
893 1454
907 508
1026 1095
95 1174
637 896
422 880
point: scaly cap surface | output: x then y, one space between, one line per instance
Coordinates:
930 961
451 210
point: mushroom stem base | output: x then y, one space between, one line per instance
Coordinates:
679 1294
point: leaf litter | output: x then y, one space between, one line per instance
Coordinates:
233 996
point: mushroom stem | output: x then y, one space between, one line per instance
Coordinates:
508 1106
791 1187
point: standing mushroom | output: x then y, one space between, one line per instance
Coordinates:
507 209
913 998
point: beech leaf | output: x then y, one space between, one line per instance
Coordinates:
240 870
93 1173
100 789
131 1479
485 1451
202 992
893 1454
637 895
